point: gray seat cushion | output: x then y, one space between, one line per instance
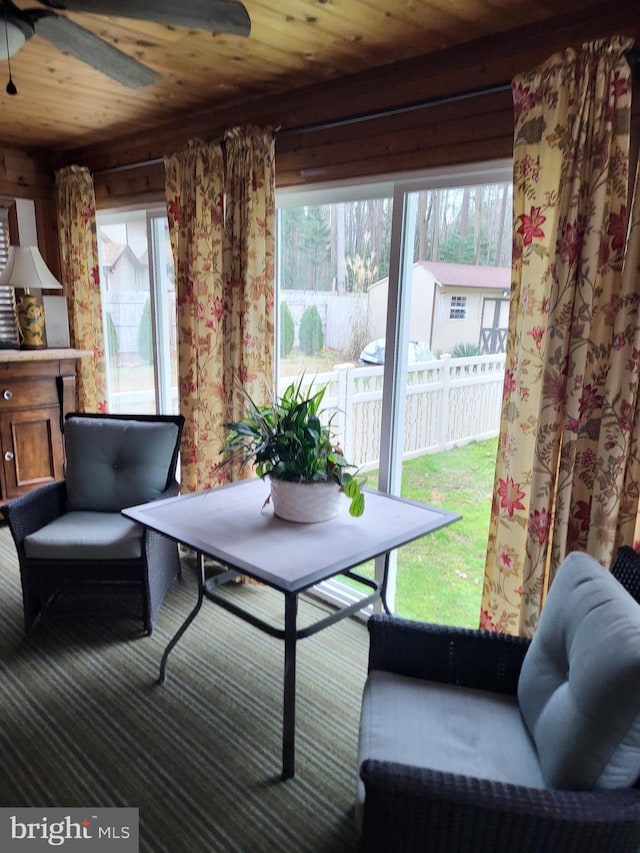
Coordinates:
112 464
579 687
86 536
445 727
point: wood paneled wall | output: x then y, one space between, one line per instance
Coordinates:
30 175
25 174
400 118
358 126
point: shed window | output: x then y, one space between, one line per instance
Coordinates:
458 308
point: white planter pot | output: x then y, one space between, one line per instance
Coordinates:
305 502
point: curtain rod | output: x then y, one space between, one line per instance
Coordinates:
324 125
399 110
632 56
125 167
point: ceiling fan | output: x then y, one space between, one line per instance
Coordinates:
17 25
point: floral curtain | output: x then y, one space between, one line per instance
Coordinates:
249 264
570 377
221 221
629 498
81 281
194 192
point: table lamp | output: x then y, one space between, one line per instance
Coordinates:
26 268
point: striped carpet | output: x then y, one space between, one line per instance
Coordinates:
84 723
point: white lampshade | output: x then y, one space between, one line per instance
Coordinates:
26 268
11 36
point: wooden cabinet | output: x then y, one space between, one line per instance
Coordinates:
37 388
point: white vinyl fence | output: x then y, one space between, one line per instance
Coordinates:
449 402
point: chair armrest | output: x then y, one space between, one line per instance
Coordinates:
626 569
414 808
471 658
32 511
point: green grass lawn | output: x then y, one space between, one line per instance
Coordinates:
440 575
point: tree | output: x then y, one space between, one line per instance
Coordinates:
311 336
291 225
145 339
337 248
464 225
362 272
315 244
112 336
287 330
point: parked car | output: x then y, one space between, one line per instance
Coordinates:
373 353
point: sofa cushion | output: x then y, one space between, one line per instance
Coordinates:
112 464
579 687
86 536
445 727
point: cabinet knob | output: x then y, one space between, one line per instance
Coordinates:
8 456
7 394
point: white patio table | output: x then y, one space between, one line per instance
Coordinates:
233 525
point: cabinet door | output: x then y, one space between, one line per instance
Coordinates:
32 453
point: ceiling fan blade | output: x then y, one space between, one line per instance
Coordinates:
92 50
216 16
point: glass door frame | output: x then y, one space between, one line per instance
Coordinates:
398 302
402 189
158 297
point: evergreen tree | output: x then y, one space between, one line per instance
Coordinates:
287 330
145 339
112 336
315 244
311 334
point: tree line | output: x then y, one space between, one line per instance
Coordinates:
344 246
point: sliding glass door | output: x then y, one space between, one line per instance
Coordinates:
401 278
447 315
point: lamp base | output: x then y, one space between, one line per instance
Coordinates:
31 321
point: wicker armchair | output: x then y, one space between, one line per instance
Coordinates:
411 804
73 544
626 568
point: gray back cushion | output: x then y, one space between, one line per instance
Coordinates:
579 688
112 464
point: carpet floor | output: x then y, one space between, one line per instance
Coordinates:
83 722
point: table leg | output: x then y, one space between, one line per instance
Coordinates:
383 585
176 637
289 695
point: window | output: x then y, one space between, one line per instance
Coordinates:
139 317
458 308
367 265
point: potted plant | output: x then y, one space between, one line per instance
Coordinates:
286 441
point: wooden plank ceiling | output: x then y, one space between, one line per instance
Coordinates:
64 104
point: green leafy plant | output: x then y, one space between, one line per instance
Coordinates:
286 440
465 350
